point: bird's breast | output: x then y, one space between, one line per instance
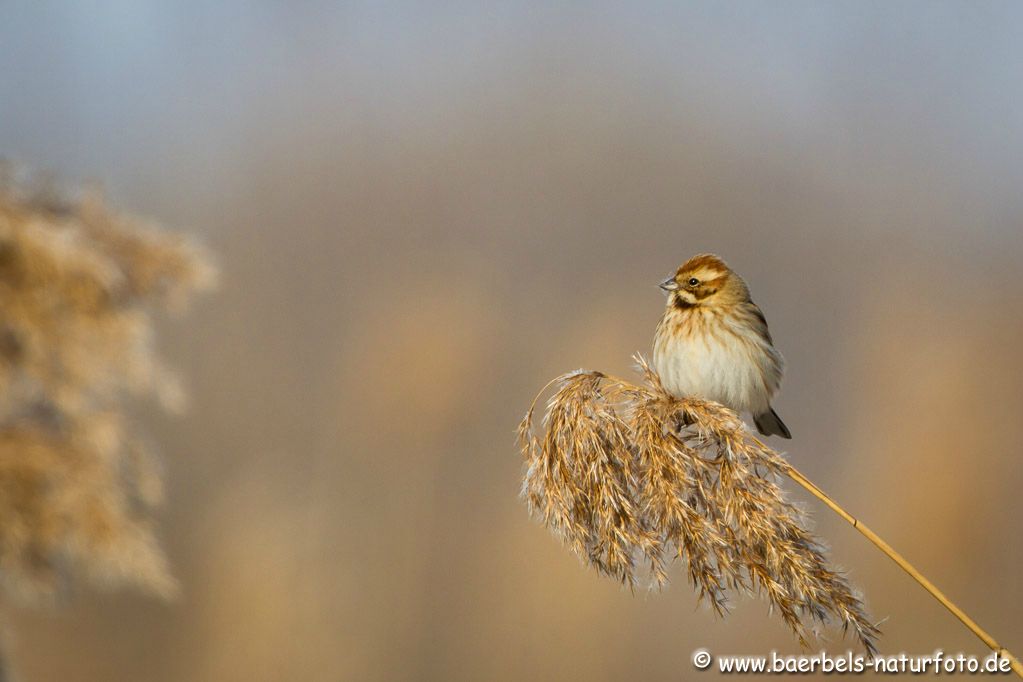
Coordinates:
703 357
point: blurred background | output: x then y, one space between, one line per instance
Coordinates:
423 212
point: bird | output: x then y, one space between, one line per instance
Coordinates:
713 343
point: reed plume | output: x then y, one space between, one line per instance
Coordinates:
631 478
79 283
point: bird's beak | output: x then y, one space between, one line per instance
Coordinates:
669 284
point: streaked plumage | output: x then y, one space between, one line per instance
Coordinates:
712 342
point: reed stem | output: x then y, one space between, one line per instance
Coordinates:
982 634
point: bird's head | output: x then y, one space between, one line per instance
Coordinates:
704 280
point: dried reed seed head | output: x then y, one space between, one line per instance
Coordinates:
631 478
78 285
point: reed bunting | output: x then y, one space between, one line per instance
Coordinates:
712 342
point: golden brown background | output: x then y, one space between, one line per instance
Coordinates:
424 212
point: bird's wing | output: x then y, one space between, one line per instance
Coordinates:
760 322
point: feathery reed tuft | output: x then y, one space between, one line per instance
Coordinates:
631 477
78 285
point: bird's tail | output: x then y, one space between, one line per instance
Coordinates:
770 424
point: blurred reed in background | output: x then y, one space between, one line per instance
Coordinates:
79 284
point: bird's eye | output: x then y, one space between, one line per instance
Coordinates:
693 281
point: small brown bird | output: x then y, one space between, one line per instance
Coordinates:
713 343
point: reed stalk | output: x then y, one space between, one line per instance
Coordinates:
913 573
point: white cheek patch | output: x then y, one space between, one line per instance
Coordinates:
686 296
